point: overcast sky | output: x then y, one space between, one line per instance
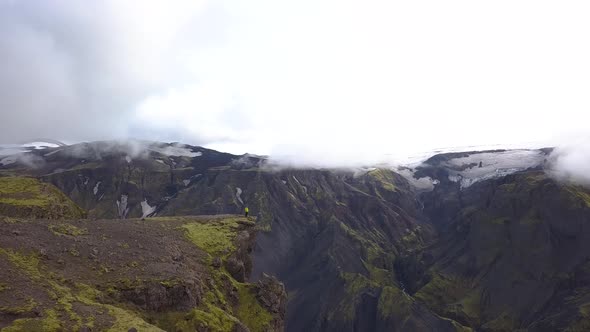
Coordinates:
335 80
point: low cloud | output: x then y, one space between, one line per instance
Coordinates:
571 162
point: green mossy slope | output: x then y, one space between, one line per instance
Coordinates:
30 198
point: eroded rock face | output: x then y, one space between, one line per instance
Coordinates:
157 297
272 295
512 249
236 269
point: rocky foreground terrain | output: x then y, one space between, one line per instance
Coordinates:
103 235
172 274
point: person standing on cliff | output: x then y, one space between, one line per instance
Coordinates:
246 210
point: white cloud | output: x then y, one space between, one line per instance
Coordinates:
571 161
330 82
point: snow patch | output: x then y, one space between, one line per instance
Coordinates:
161 161
122 208
40 145
128 159
96 188
186 182
284 182
146 209
493 165
176 151
239 194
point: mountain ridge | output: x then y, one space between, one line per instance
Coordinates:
367 243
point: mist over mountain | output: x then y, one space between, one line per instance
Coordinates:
571 162
435 245
262 166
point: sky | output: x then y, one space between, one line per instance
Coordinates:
332 81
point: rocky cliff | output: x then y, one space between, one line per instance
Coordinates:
173 274
463 241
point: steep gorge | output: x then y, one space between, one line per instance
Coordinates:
367 251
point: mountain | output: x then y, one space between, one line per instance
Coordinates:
481 241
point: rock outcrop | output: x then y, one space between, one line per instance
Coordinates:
115 275
273 297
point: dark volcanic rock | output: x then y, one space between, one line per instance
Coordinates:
236 269
272 295
356 251
157 297
512 250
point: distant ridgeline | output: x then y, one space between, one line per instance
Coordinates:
469 241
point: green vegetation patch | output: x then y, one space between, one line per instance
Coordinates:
580 193
124 320
215 237
374 254
384 177
67 229
209 318
450 296
22 191
393 301
250 312
27 263
442 290
31 198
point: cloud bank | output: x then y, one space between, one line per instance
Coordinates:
571 162
336 82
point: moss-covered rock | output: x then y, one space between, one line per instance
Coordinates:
30 198
152 275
